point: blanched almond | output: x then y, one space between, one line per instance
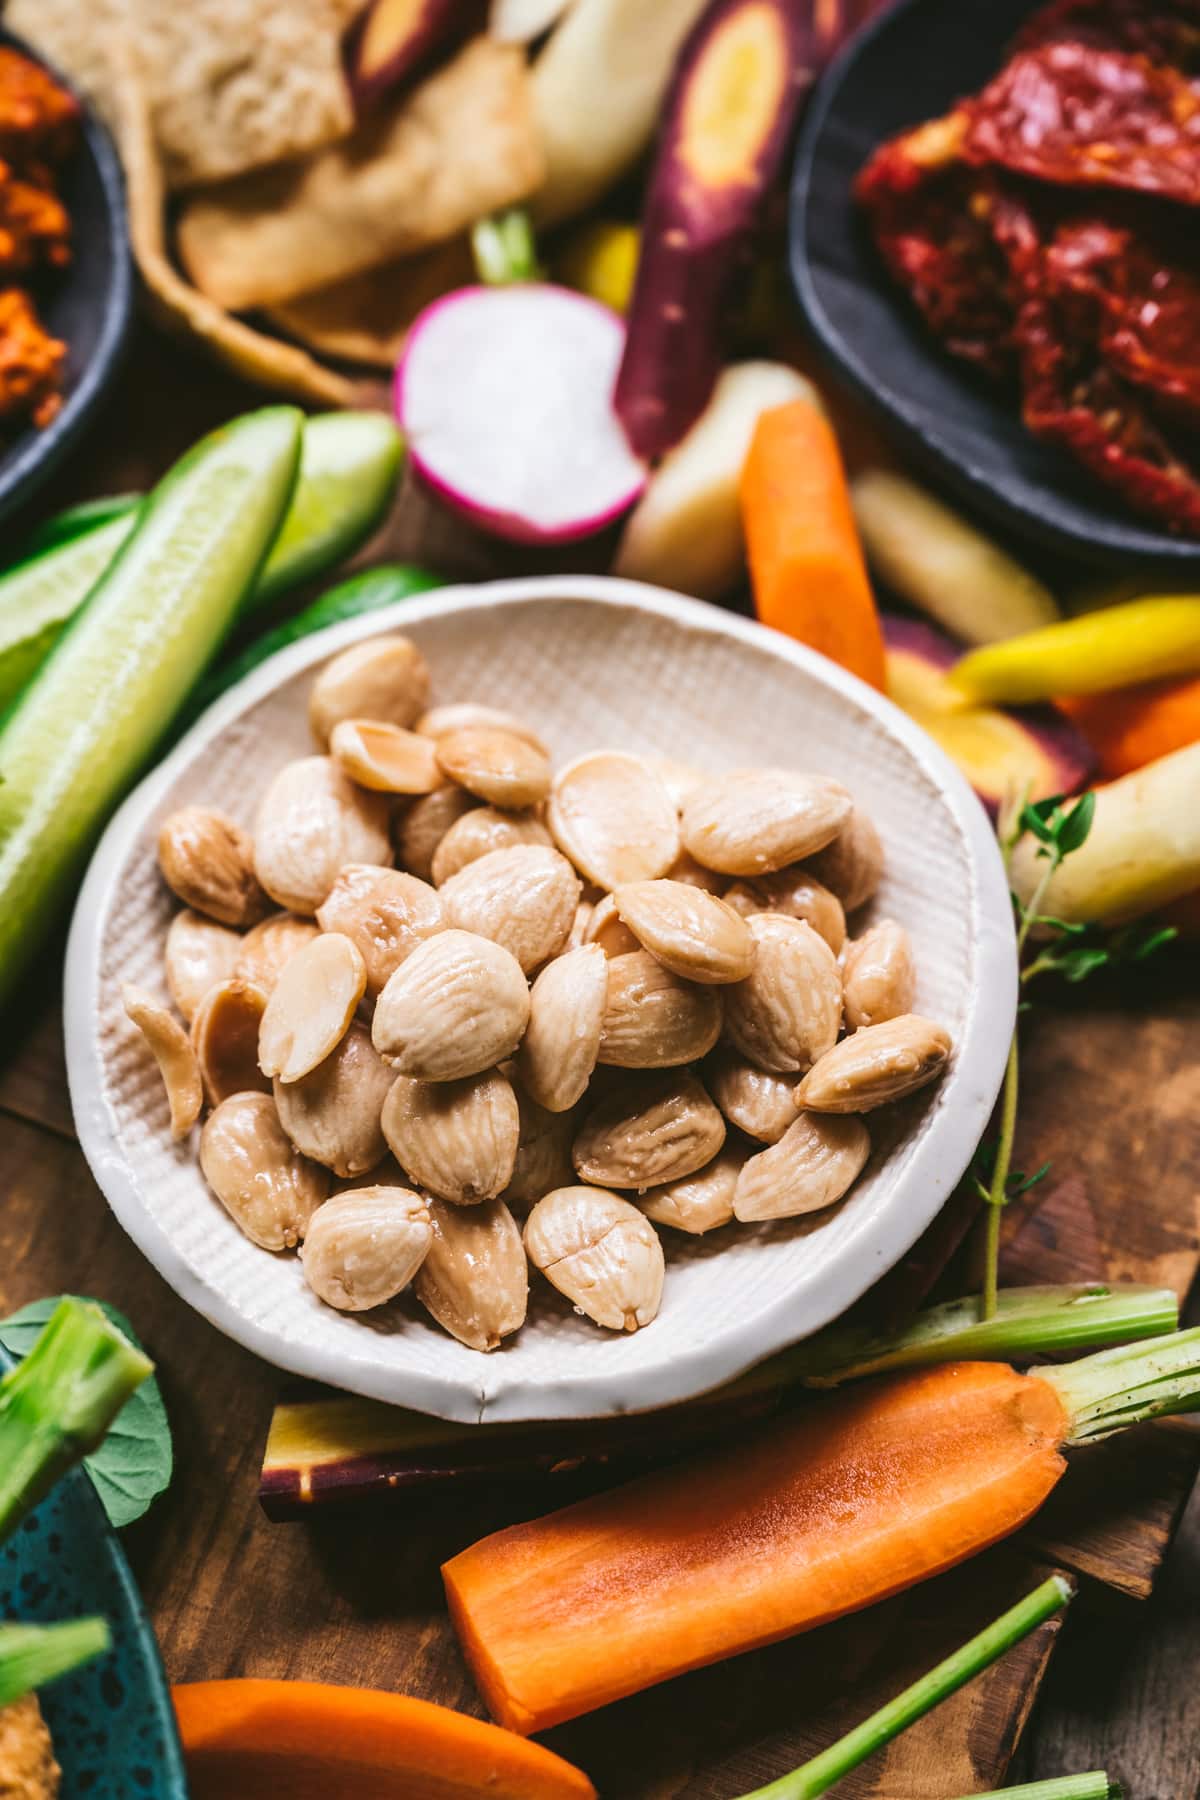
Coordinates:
649 1131
799 895
333 1113
600 1252
425 823
474 1280
699 1202
879 977
384 678
608 930
168 1043
225 1038
456 1138
686 868
851 866
679 778
758 1102
385 758
814 1163
543 1152
652 1018
877 1064
385 914
312 821
480 831
208 861
269 946
523 898
612 815
311 1006
261 1180
457 1005
365 1246
496 765
579 924
788 1010
689 931
199 953
755 820
463 715
562 1042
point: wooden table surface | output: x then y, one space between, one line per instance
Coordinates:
1112 1094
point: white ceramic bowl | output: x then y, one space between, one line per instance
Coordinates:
591 663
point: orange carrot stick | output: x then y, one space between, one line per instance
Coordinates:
853 1500
806 562
258 1740
1130 727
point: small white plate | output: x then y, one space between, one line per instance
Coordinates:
590 662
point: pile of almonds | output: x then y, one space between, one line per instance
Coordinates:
442 987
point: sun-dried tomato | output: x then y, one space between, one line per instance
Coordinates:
1167 31
1070 113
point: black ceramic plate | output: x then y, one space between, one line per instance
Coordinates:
910 65
88 305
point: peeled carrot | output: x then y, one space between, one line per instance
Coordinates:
1130 727
806 563
257 1740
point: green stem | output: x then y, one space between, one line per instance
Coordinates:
504 249
1095 1786
57 1404
998 1190
819 1775
32 1655
1125 1386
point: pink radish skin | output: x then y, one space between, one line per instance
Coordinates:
418 30
504 395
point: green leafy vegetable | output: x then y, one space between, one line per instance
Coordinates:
32 1655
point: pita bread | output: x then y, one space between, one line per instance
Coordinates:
365 319
462 145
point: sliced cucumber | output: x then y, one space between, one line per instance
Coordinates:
87 722
78 519
38 597
349 467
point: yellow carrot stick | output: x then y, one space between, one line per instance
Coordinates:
1141 641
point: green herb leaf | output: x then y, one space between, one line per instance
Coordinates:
1075 826
133 1465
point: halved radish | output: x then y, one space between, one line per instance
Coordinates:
505 397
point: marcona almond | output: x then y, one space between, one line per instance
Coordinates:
199 953
523 898
799 895
495 765
649 1131
456 1138
566 1014
686 868
225 1038
543 1152
459 1004
652 1018
169 1045
474 1280
879 977
600 1252
208 861
679 778
268 1189
612 815
364 1247
689 931
480 831
875 1065
385 914
385 758
851 866
384 678
788 1010
814 1163
266 949
606 928
425 823
333 1113
311 1006
753 821
579 924
465 715
758 1102
699 1202
312 821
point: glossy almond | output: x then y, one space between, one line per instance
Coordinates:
474 1279
757 1101
312 821
879 976
385 758
647 1131
608 930
753 821
458 1139
679 778
599 1251
654 1019
334 1113
463 715
385 913
198 954
788 1010
814 1163
169 1045
495 765
265 1185
613 816
523 898
208 861
385 678
425 823
478 832
364 1247
311 1006
799 895
457 1005
700 1202
266 949
543 1152
691 932
566 1015
851 866
225 1038
877 1064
